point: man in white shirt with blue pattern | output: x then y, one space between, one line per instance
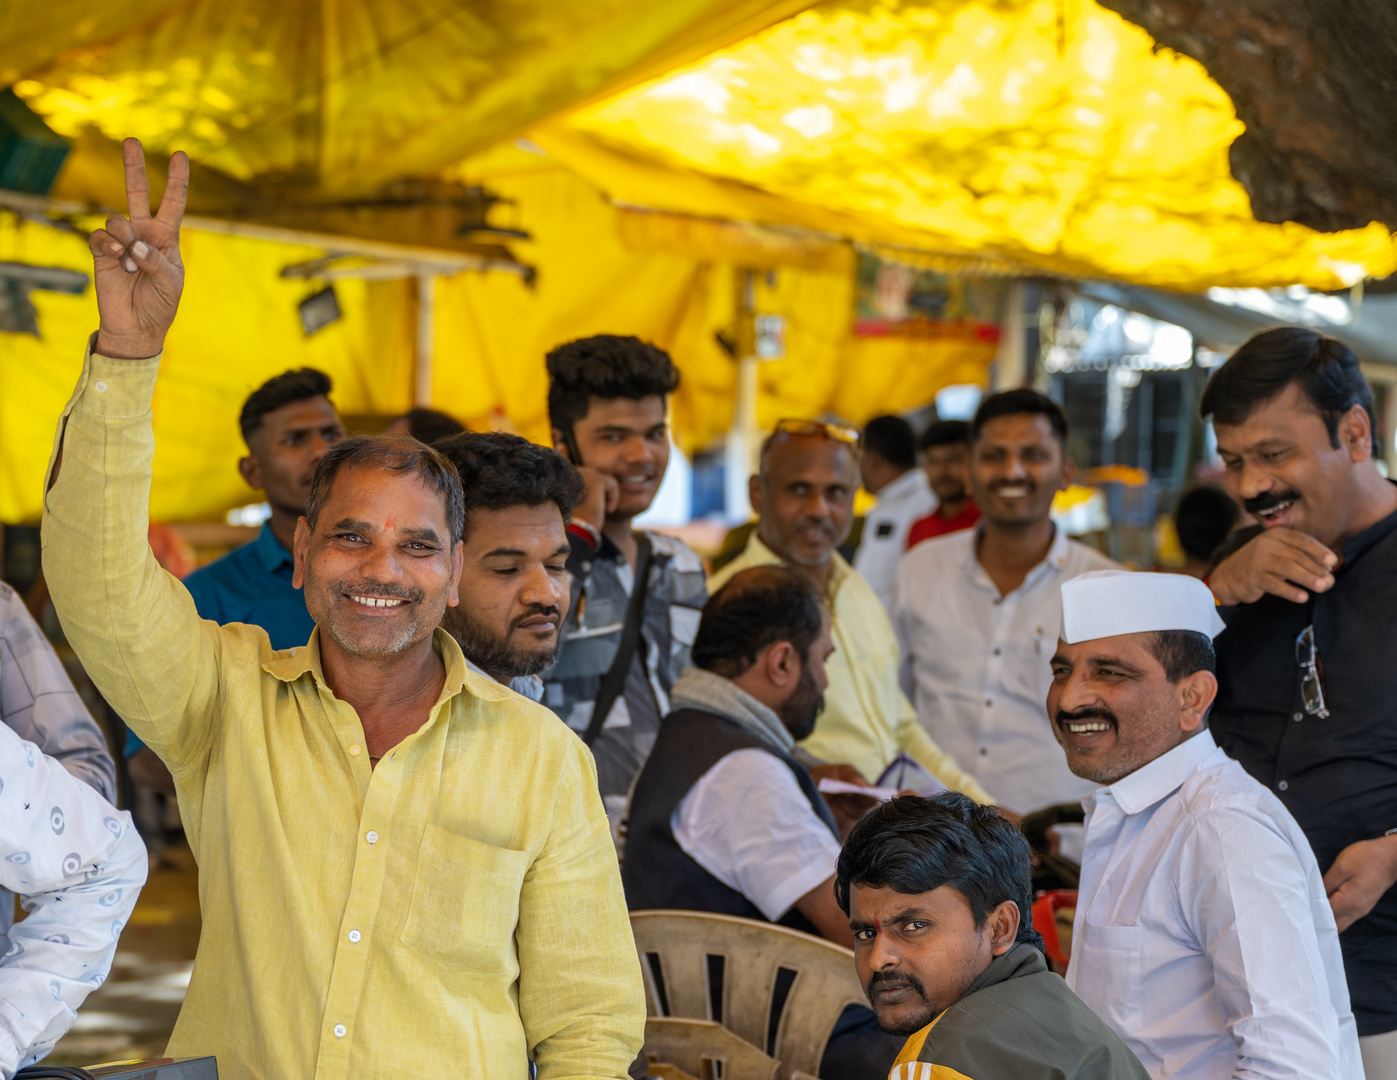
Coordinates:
1203 935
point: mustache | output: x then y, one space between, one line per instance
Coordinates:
1268 499
379 589
1096 712
535 610
894 980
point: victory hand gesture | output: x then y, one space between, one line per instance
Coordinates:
137 268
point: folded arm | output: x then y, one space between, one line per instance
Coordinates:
78 864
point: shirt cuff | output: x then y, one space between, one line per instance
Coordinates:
116 389
780 898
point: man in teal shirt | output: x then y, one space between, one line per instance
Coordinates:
287 423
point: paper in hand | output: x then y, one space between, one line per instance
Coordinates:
830 786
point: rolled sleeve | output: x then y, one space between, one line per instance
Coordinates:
748 823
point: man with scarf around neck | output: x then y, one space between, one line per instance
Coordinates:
724 818
938 893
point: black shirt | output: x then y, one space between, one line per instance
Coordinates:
1338 776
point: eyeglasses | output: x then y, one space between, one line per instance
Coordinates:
1311 689
818 429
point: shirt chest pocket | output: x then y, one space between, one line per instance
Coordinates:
1107 976
465 902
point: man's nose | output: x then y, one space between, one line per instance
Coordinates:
1072 693
1014 467
817 506
539 587
317 447
380 562
884 953
1252 481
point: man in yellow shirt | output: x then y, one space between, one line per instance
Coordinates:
404 869
804 495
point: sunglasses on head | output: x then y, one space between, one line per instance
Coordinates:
820 429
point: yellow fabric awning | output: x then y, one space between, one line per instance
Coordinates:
1049 132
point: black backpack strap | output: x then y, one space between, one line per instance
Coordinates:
614 681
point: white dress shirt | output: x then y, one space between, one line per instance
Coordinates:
1203 936
907 499
747 823
977 665
78 865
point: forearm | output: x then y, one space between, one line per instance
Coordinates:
132 625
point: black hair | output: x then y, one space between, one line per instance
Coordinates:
1016 403
606 366
498 471
1326 370
430 426
1182 652
756 608
302 384
945 433
1203 519
397 453
913 845
892 439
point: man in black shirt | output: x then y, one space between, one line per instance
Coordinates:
1307 666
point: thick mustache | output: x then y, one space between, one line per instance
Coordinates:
1267 499
534 611
894 980
1094 713
380 590
817 523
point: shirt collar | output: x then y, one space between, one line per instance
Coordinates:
758 554
291 664
529 686
1052 562
270 550
1163 776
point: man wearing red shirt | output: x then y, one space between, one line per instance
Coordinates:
946 445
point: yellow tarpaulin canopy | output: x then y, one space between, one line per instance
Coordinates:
1044 135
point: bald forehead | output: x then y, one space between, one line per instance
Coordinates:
808 455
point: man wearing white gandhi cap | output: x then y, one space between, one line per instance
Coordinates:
1203 936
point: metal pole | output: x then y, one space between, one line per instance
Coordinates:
426 339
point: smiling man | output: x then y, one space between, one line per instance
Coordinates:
403 867
804 493
1305 672
978 610
1202 936
514 584
636 595
938 895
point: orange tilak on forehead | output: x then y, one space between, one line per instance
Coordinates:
388 524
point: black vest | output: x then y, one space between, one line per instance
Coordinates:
657 872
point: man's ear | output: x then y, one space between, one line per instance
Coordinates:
458 561
1069 473
251 472
300 549
1196 693
560 444
754 492
1003 927
1356 434
782 667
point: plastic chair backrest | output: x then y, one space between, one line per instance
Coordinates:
778 989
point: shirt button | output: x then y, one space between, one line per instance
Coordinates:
354 936
984 751
988 701
997 651
340 1029
1297 717
371 837
1284 785
101 387
354 750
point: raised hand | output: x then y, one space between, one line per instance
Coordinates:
1281 561
138 273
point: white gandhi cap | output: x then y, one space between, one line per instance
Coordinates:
1107 603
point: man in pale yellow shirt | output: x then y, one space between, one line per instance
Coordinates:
804 495
404 869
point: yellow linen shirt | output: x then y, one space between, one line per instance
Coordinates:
453 912
867 719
